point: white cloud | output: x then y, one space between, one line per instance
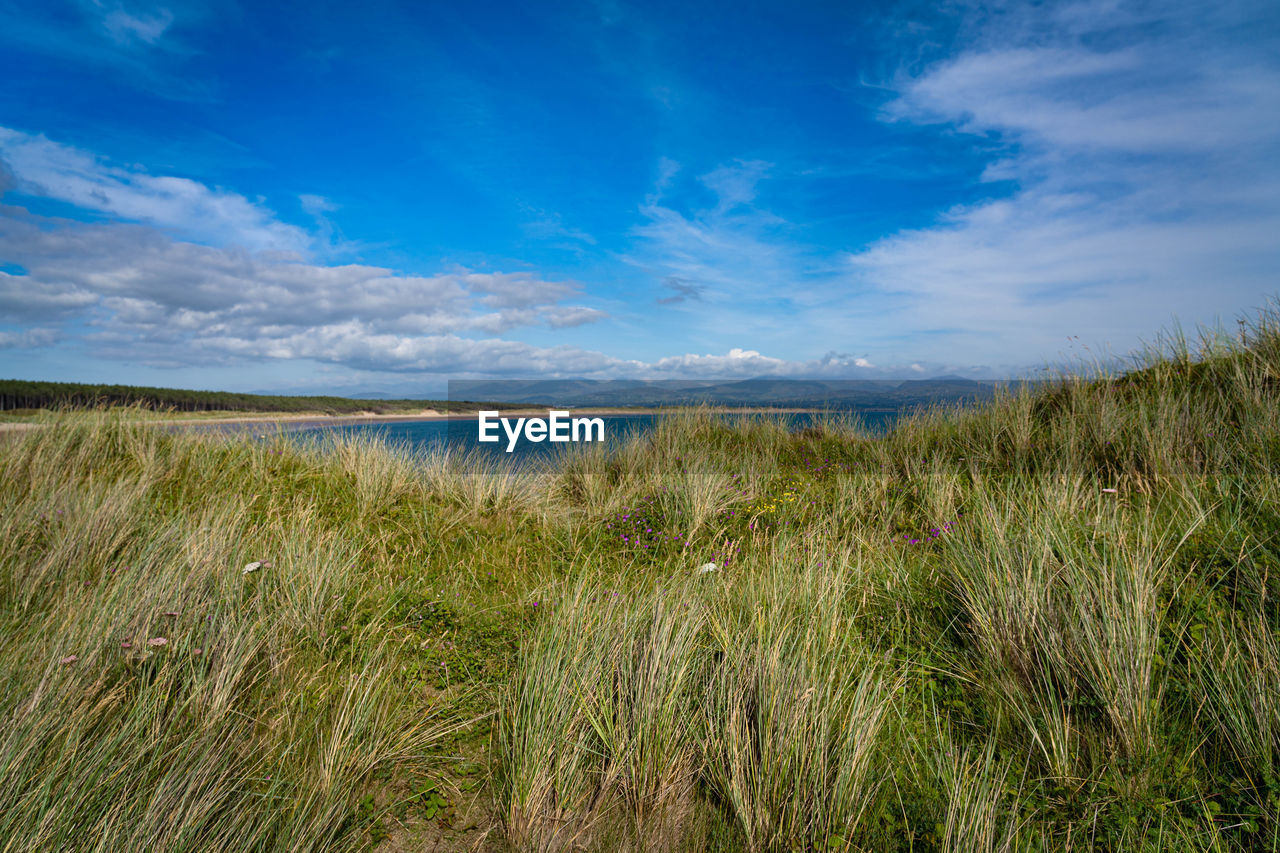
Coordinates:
29 338
199 275
147 296
360 346
731 254
736 184
516 290
1146 166
316 205
126 27
178 205
747 363
22 300
1146 99
550 226
147 299
572 315
136 43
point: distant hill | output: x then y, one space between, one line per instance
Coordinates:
854 394
766 391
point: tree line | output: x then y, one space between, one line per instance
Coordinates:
24 394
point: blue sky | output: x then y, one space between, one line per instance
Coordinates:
370 196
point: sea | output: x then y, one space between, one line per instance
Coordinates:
428 436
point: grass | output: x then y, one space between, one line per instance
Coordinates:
1046 623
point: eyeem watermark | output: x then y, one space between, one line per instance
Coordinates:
556 427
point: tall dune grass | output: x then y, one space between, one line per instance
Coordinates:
156 697
1045 623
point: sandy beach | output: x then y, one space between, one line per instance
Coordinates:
311 421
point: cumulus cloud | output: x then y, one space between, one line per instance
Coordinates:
516 290
146 297
737 362
23 301
29 338
186 274
741 363
358 345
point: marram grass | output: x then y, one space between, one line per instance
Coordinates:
1047 623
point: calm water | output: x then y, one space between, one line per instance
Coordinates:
428 435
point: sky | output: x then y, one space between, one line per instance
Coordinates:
330 197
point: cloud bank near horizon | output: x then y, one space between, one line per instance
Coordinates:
202 276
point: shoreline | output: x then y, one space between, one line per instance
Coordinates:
319 421
312 421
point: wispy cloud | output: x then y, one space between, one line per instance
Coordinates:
178 205
1028 172
681 291
148 292
550 226
148 299
1147 174
126 26
729 253
135 42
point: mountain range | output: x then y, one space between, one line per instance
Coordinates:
867 394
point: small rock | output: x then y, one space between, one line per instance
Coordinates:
251 567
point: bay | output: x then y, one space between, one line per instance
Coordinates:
433 435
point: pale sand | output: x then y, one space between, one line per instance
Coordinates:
302 421
319 420
359 417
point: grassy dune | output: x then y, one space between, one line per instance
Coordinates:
1050 623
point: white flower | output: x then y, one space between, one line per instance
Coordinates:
706 567
252 567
